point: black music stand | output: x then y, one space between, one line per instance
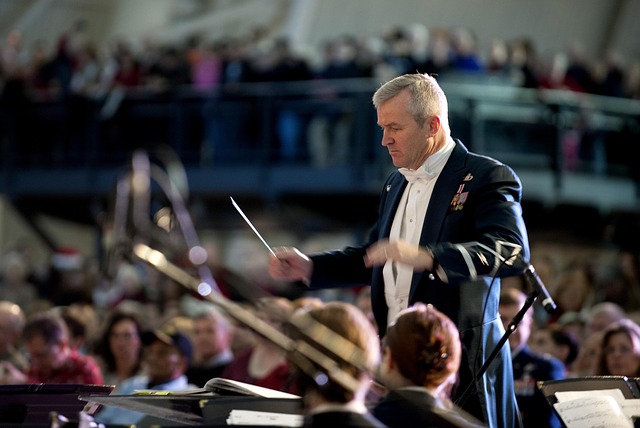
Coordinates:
207 408
34 404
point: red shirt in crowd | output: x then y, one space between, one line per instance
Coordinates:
77 369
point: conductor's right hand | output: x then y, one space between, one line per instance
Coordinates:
290 264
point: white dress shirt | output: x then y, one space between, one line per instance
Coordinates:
407 226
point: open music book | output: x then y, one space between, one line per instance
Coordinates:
222 386
253 418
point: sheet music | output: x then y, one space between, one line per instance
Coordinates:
572 395
252 417
592 409
631 407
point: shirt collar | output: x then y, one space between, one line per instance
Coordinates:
434 164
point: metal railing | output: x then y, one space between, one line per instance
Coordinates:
313 136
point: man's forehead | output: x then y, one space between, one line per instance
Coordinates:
391 116
390 123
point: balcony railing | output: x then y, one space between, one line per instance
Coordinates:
313 137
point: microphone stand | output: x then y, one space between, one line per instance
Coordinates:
513 325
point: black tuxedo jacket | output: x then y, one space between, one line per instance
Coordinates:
474 227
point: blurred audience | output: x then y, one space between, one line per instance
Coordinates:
553 341
265 364
167 355
12 320
242 338
166 358
620 350
572 292
82 323
586 363
528 367
74 67
612 283
128 284
119 348
601 315
573 324
211 334
69 279
15 284
52 360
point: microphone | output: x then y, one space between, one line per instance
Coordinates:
535 282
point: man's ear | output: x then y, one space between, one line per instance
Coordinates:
434 125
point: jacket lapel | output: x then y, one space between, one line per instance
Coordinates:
444 190
394 188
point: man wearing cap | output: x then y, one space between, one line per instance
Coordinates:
167 355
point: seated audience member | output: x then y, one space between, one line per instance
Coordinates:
81 321
12 321
167 355
420 360
613 284
264 364
572 324
620 350
330 404
52 360
601 315
552 340
242 338
211 334
586 363
528 367
572 293
119 350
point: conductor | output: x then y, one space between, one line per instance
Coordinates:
450 225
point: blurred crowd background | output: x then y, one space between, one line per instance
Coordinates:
259 99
